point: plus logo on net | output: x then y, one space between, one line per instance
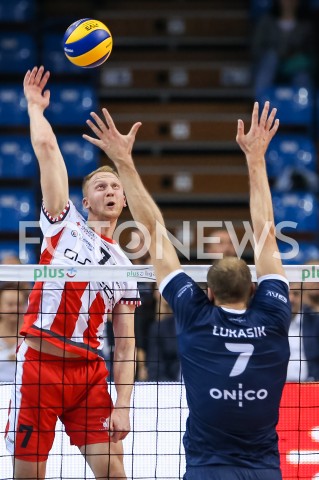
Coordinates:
298 431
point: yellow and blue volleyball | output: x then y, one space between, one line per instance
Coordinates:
87 43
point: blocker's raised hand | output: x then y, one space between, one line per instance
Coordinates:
118 147
262 130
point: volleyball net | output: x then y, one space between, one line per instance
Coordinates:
154 448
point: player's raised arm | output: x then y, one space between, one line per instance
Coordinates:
254 145
118 148
54 179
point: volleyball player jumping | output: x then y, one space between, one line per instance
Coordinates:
233 343
59 371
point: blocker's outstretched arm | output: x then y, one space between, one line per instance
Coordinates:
254 144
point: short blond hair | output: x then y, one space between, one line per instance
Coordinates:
103 169
230 280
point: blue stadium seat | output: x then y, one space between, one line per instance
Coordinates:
54 58
17 159
13 106
17 10
296 207
16 205
70 105
295 105
80 156
296 151
76 197
17 52
27 254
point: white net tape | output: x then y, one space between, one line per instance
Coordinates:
31 273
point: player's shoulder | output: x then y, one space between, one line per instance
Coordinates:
181 288
69 211
176 280
272 292
278 281
273 286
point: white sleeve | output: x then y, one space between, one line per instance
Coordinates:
272 276
168 278
50 226
131 295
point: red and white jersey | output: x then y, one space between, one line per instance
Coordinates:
71 315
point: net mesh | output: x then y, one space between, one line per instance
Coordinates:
154 447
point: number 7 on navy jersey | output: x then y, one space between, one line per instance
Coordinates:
245 351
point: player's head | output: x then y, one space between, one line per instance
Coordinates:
229 281
104 169
10 259
222 244
12 300
103 194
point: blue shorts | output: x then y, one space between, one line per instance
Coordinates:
225 472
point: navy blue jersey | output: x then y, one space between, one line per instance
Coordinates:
234 365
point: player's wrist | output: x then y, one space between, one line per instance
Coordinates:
35 107
121 406
123 162
123 402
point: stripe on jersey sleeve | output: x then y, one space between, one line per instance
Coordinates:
60 217
130 301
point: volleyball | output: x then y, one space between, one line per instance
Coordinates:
87 43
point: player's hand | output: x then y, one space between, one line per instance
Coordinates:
119 424
34 85
256 141
117 147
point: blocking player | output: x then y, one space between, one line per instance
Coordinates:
234 350
59 371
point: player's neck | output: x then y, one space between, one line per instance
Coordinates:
104 228
232 306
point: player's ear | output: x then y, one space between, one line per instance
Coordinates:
210 294
85 203
252 289
125 202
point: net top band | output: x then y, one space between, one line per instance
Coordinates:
139 273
